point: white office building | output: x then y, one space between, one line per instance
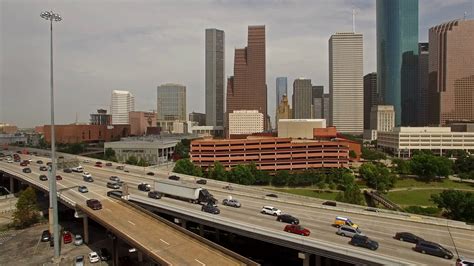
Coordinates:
402 141
123 102
245 122
299 128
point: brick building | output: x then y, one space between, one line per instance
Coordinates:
67 134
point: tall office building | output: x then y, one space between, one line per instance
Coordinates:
451 71
247 90
123 102
370 96
397 53
171 102
215 71
346 89
382 118
318 102
281 89
326 110
283 110
422 92
302 98
243 122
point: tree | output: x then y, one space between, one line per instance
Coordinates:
428 166
351 195
26 212
352 154
372 155
377 176
262 178
132 160
464 164
241 174
109 152
281 178
402 167
42 144
142 162
218 172
458 205
185 166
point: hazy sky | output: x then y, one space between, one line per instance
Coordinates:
137 45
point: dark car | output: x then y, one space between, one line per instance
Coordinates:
43 168
39 162
286 218
114 178
173 177
26 170
58 177
330 203
108 164
98 165
94 204
154 195
434 249
98 162
272 195
49 163
364 241
67 170
202 181
297 229
210 209
150 173
117 194
104 254
43 178
45 236
408 237
228 187
113 185
144 187
23 164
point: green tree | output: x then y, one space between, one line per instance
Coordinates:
428 166
377 176
401 166
372 155
352 195
185 166
241 174
262 178
26 212
132 160
464 164
458 205
42 144
76 148
218 172
352 154
142 162
281 178
109 152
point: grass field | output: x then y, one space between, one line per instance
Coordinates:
308 192
413 197
444 183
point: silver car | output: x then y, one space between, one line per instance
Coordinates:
78 240
348 231
79 261
231 202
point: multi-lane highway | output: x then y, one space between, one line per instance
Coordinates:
312 215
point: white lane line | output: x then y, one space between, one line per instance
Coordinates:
164 241
203 264
131 223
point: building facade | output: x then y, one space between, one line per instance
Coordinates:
123 103
270 154
370 96
283 110
382 118
245 122
171 102
281 89
199 118
451 72
422 93
101 118
8 129
140 121
207 131
246 89
403 141
346 82
397 54
68 134
302 98
299 128
215 77
318 102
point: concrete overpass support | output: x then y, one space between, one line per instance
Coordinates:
140 256
115 254
317 260
201 230
218 235
305 257
12 185
183 223
85 220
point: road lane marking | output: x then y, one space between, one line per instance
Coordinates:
164 241
203 264
131 223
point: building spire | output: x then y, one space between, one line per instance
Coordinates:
353 19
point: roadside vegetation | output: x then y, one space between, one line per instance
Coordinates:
26 213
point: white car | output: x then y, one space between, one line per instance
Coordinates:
9 161
93 257
86 175
78 169
78 240
271 211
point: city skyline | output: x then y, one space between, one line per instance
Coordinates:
94 57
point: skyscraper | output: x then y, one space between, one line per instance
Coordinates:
397 52
171 102
318 102
370 96
422 92
302 98
215 71
451 71
247 90
281 89
346 82
123 102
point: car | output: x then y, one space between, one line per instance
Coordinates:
120 167
150 173
270 210
93 257
370 209
82 189
228 187
364 241
114 178
104 254
23 164
108 164
9 161
330 203
144 187
98 162
297 229
67 237
116 194
78 240
113 185
210 208
43 168
232 203
98 165
126 171
39 162
201 181
94 204
45 236
286 218
435 249
26 170
43 178
18 160
461 261
272 195
339 221
408 237
79 261
87 177
78 169
49 163
86 161
173 177
58 177
154 195
67 170
349 231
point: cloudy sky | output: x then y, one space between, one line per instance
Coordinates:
137 45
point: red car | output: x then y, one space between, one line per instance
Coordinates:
58 177
67 237
98 165
297 229
23 164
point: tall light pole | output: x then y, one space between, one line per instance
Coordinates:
53 201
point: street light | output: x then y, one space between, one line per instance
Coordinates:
53 201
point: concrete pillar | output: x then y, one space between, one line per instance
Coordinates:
183 223
305 257
317 260
201 230
12 185
85 221
140 256
115 261
327 261
218 235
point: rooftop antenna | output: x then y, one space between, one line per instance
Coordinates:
353 19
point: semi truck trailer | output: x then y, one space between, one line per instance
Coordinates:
184 191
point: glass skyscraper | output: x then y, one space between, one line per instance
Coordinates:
397 56
281 89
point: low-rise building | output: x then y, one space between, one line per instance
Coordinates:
67 134
205 131
101 118
299 128
200 118
403 141
140 122
6 139
8 129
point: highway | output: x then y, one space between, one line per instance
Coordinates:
311 213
